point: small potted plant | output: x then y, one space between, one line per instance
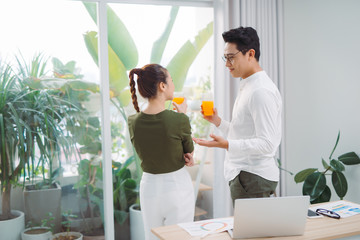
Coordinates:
42 232
67 235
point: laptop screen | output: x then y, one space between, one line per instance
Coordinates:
274 216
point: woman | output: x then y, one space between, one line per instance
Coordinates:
162 139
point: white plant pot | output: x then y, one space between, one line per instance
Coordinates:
77 234
39 203
136 223
11 229
36 233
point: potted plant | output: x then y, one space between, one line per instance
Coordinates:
67 234
47 112
90 223
42 232
12 148
315 181
34 110
65 84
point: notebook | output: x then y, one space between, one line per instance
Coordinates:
270 217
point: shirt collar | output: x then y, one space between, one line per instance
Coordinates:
243 81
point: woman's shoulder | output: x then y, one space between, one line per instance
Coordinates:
176 116
133 117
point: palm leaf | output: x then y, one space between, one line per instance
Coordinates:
119 37
117 72
179 65
159 45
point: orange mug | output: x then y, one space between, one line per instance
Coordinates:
207 107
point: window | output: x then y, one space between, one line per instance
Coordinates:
62 36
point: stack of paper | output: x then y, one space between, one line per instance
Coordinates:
203 228
343 208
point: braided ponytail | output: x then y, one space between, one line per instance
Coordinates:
133 89
148 79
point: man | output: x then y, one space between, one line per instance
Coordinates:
254 133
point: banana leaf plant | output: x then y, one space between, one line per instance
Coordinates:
315 184
32 135
125 189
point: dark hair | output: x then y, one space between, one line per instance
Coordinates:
148 79
245 38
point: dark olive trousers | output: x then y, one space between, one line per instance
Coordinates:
249 185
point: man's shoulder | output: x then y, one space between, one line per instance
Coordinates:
263 83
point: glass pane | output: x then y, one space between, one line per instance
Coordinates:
180 39
51 112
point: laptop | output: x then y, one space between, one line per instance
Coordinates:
270 217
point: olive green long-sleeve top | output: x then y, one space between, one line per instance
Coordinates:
161 140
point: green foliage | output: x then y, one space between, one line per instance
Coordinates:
125 190
32 122
46 222
315 184
123 54
160 44
67 216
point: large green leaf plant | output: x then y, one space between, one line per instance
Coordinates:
315 184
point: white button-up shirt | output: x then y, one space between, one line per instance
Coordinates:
254 133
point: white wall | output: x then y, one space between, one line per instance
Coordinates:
322 86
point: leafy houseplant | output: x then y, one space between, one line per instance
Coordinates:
67 235
40 232
30 123
315 181
42 193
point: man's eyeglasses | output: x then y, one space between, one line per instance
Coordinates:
229 57
328 213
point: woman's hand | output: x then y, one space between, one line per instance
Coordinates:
181 108
189 159
215 119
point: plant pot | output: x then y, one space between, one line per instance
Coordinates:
85 224
38 204
102 237
11 229
122 231
136 223
36 233
67 236
91 228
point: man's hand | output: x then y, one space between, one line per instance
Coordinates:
215 119
216 142
189 160
181 108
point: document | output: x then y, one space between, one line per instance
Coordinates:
203 228
343 208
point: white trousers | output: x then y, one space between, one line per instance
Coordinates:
166 199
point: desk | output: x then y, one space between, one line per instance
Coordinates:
316 228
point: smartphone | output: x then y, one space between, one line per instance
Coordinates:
312 214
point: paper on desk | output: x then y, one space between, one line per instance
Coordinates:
201 228
343 208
